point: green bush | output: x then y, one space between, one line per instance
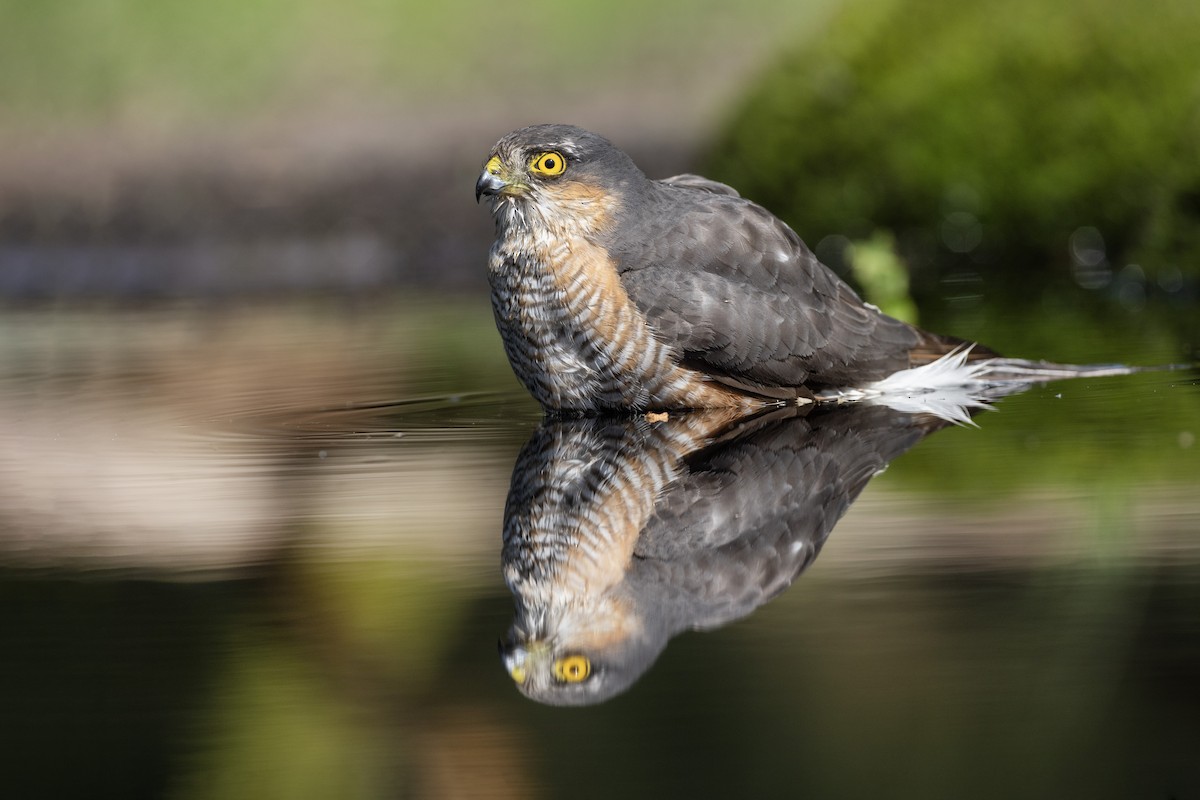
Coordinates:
1027 143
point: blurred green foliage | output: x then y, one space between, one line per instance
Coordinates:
883 275
985 135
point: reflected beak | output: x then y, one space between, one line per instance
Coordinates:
519 658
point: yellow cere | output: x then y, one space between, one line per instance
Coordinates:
548 164
572 669
493 165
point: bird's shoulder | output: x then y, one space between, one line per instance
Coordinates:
734 289
692 223
689 180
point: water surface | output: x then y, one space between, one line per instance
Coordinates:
257 553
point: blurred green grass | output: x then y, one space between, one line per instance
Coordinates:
113 59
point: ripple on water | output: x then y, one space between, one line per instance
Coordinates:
100 471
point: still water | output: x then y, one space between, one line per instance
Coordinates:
258 553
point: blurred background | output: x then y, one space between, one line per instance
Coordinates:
256 426
1040 161
164 149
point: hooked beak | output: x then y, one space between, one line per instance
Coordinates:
497 179
488 184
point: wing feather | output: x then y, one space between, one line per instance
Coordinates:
737 292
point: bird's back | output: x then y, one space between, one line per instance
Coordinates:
738 294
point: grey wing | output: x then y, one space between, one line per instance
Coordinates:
738 293
750 517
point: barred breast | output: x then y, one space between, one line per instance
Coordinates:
576 340
581 493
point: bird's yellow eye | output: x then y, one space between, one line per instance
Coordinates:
572 669
549 164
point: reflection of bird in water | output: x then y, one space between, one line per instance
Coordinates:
613 291
620 533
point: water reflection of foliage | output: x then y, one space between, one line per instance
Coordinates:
1146 424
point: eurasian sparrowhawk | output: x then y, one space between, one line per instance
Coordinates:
616 292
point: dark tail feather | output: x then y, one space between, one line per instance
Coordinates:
934 346
1020 369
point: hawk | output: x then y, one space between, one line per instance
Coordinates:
615 292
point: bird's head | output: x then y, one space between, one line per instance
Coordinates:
581 655
556 169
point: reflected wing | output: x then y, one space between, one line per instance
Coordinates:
749 517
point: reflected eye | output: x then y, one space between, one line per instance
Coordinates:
549 164
572 669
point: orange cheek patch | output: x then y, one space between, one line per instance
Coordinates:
582 198
574 191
